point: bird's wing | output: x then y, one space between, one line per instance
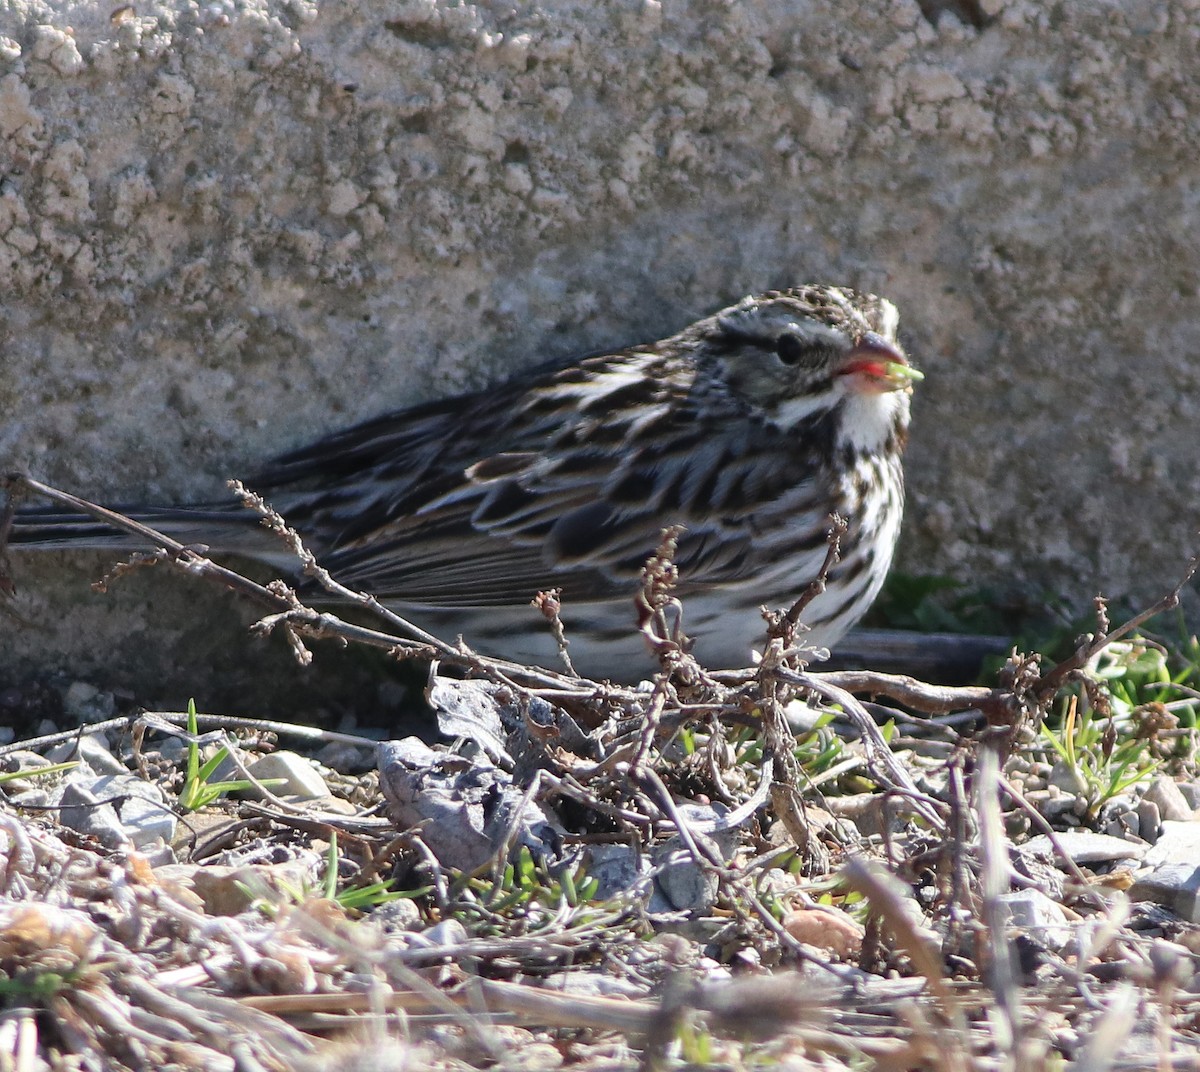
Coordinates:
567 481
584 518
497 543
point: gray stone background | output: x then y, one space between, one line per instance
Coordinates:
228 227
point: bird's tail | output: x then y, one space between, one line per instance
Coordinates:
223 528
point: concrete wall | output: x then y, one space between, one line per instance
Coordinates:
226 228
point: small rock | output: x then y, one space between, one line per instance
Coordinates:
46 931
448 932
871 813
1191 793
26 764
229 891
85 703
615 868
1066 776
347 758
825 928
174 750
1043 918
594 985
402 914
145 816
135 812
468 810
1177 843
684 885
540 1055
1169 798
1122 824
1149 820
159 856
1062 807
81 810
174 879
91 749
1175 885
300 779
1036 867
1171 876
33 798
1085 847
803 718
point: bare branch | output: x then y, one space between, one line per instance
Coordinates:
838 528
550 604
1050 682
929 699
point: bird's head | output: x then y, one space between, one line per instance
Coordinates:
800 355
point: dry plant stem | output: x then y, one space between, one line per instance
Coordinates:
497 669
20 858
653 597
884 766
23 1035
550 604
184 557
532 1006
287 611
651 720
704 857
778 741
429 862
219 839
152 720
833 552
1111 1030
569 786
1049 683
887 898
732 879
1085 887
352 829
398 971
505 843
377 857
276 523
669 1019
1001 971
928 699
961 909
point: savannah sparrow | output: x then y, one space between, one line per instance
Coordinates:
748 428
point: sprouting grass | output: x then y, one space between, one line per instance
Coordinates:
36 986
198 792
1104 764
354 898
526 882
1116 730
38 772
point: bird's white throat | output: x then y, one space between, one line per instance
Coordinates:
870 420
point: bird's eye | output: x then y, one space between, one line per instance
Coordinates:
789 349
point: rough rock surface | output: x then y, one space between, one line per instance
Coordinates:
225 228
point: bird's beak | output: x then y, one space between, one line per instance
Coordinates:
878 365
